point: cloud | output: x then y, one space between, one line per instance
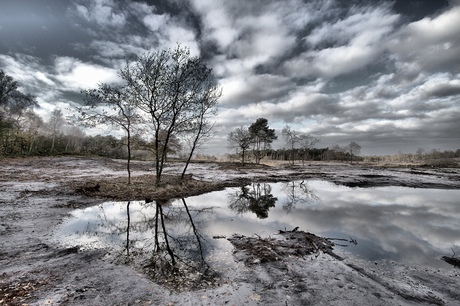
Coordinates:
57 85
155 22
344 45
442 85
101 12
244 35
26 70
75 75
432 43
118 32
218 25
253 89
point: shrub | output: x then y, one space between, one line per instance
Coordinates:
442 163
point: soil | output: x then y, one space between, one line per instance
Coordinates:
36 194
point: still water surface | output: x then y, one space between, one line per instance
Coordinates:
408 225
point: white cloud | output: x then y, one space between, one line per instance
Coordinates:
180 34
253 89
219 26
431 43
28 72
252 39
101 12
76 75
354 43
364 26
155 22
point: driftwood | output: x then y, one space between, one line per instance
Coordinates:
293 243
455 261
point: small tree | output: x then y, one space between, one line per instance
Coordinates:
262 137
200 125
239 139
112 106
171 88
353 149
32 125
307 142
419 153
292 139
54 125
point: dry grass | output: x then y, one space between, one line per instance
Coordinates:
142 188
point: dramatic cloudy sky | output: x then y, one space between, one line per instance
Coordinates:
385 74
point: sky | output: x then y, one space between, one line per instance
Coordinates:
385 74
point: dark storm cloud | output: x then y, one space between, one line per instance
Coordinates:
445 90
343 70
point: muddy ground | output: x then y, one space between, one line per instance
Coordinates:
37 193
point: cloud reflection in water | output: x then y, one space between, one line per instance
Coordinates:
409 225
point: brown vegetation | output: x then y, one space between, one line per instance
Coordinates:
143 188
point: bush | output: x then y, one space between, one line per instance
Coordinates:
442 163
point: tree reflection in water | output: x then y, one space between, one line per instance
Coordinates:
128 225
167 245
256 198
298 193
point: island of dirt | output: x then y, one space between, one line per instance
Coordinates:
291 267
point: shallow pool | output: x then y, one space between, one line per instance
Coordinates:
408 225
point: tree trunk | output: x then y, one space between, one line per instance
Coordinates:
128 165
192 150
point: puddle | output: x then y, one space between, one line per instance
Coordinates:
408 225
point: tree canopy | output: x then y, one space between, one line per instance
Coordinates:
262 137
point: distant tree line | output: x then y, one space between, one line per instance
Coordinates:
31 135
434 157
254 143
299 155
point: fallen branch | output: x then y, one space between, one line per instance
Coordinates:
293 243
453 260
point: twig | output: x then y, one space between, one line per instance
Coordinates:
354 241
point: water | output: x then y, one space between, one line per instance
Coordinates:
408 225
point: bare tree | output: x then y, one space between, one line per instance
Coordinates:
307 142
170 88
55 124
353 149
33 124
419 153
294 139
239 139
200 126
112 106
291 138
